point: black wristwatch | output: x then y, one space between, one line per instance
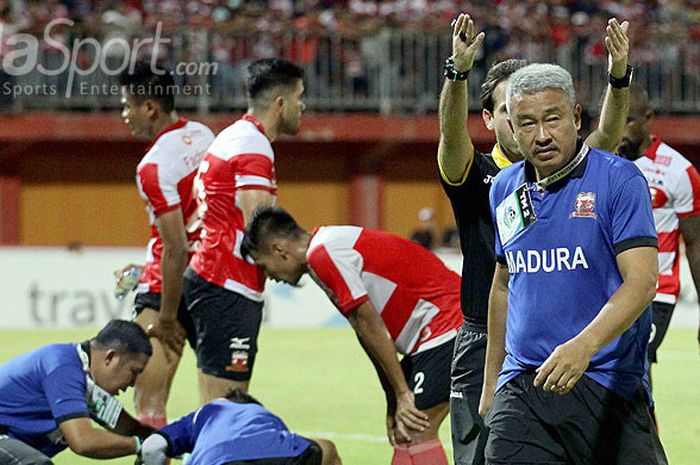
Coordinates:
624 81
452 74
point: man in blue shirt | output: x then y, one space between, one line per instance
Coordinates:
48 397
236 430
569 317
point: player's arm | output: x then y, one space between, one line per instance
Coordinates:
496 343
690 228
455 150
129 426
639 270
85 439
380 348
173 263
613 114
249 200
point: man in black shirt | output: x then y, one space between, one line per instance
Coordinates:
466 177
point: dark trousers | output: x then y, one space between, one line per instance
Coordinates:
468 431
14 452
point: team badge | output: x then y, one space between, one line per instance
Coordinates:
585 204
187 139
240 348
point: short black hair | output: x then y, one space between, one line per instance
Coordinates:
496 74
145 81
268 73
268 222
639 97
240 397
126 337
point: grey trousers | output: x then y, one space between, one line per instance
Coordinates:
14 452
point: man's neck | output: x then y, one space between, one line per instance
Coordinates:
268 121
644 146
165 120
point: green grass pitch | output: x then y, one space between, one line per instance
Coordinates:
321 383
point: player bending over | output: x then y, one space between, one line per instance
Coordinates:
398 297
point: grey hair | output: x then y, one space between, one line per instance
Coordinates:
538 77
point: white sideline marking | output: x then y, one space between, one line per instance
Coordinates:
678 355
356 437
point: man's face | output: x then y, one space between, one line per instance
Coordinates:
279 265
135 115
292 110
545 126
117 372
498 122
636 133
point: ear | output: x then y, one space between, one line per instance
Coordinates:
488 119
152 108
577 116
279 102
111 357
278 248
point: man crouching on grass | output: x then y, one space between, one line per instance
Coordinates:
48 397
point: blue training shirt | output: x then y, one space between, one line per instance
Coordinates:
223 431
563 266
39 390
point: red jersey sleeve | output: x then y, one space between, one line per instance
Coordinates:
162 196
255 171
688 193
338 274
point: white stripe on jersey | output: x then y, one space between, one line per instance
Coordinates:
422 315
241 138
242 181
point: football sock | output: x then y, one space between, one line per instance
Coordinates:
401 455
156 421
428 453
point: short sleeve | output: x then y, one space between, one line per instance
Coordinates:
180 434
339 273
254 171
687 193
498 247
65 388
161 192
632 216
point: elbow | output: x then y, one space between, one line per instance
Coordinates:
648 289
80 448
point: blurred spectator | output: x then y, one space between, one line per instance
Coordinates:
424 233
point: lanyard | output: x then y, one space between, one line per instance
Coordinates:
103 407
565 171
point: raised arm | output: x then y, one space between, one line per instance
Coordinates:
613 114
456 151
375 339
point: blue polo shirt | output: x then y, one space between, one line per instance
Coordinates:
39 390
563 266
223 431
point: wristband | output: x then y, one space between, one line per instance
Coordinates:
624 81
138 445
452 74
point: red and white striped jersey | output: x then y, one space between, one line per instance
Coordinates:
415 294
240 158
674 184
164 178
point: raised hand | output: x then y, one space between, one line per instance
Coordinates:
618 45
464 44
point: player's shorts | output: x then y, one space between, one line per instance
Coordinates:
661 318
589 425
152 300
227 326
428 375
311 456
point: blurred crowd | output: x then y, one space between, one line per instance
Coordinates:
664 33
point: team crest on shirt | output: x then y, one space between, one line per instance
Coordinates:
187 139
240 348
584 205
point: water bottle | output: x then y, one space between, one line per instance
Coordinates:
127 281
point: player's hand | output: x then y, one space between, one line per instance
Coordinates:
408 417
618 45
564 367
488 392
464 44
170 333
391 428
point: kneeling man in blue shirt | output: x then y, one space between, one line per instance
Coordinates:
569 318
49 397
235 430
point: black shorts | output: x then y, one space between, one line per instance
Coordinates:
311 456
428 375
227 326
152 300
661 318
468 431
589 425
